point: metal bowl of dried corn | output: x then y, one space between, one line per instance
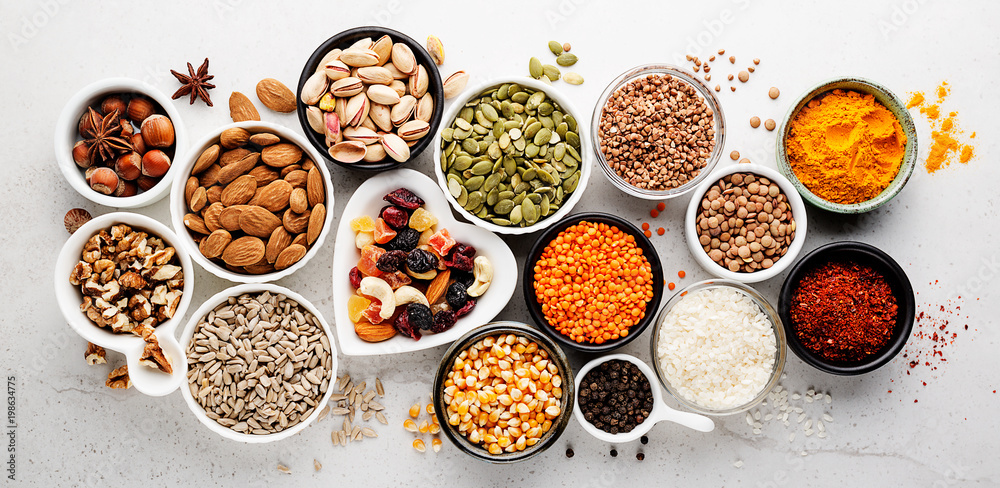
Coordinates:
504 392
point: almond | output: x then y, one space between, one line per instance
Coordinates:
300 239
279 240
240 191
213 245
438 286
275 95
264 139
374 332
297 178
316 218
230 217
258 221
259 268
264 175
190 187
211 216
314 187
233 155
291 255
298 201
207 158
214 194
295 223
210 176
244 251
196 224
281 155
234 137
288 169
241 108
274 196
232 171
198 200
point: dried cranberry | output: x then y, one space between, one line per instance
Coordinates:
404 198
420 261
456 295
391 261
355 276
420 316
469 305
458 261
406 239
396 217
403 325
443 321
464 250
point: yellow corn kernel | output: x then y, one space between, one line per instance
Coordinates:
510 448
453 419
489 438
467 418
503 424
418 444
483 397
521 372
495 449
430 408
470 381
514 432
531 442
534 432
423 427
500 388
494 416
516 395
521 443
436 444
519 348
505 400
557 381
473 410
463 408
434 428
557 392
488 342
522 408
553 411
475 437
541 395
503 441
415 410
505 415
514 422
531 348
546 425
410 425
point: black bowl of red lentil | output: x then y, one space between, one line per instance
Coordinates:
847 308
631 243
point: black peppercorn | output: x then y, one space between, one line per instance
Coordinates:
644 440
618 397
614 453
640 456
569 452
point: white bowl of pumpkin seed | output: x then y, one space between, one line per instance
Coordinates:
510 157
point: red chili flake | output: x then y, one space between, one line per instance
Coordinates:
843 311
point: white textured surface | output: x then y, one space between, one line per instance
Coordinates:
74 431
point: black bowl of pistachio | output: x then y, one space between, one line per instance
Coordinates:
370 98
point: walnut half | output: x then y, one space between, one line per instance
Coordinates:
95 354
118 379
153 357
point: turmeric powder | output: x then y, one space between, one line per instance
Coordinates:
845 147
945 146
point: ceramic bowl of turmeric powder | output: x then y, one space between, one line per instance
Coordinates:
848 145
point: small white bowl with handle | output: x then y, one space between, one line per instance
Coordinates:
661 411
147 380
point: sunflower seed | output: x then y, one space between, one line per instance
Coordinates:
316 465
369 432
284 469
378 387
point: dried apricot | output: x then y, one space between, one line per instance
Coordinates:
383 233
397 279
363 224
422 220
355 305
374 312
442 242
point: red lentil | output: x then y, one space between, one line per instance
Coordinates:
671 286
681 274
660 231
654 213
661 206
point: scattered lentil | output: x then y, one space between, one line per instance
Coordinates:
671 286
743 76
681 274
755 121
660 231
773 93
654 213
734 155
661 206
769 124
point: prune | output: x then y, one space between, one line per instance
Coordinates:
420 261
469 305
443 321
404 198
391 261
456 295
458 261
396 217
420 316
355 276
403 325
406 240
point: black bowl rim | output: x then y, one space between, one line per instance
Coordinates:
535 310
901 286
555 353
344 38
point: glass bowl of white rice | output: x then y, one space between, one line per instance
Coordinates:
718 347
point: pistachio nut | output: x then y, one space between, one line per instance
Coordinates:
396 73
425 108
346 87
413 130
375 75
379 114
383 94
315 118
314 88
399 87
357 109
435 49
374 153
395 147
363 43
348 151
336 70
341 110
361 134
402 57
332 128
359 57
330 57
418 82
383 48
454 84
402 111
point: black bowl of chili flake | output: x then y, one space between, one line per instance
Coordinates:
847 308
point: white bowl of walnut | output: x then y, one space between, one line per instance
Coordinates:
123 283
251 204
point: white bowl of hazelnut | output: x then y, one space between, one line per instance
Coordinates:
123 283
115 142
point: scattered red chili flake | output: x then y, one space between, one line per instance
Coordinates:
931 334
661 206
843 311
660 231
654 213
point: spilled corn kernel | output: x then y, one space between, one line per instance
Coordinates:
419 445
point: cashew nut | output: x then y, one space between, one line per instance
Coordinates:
482 270
428 275
408 294
378 289
363 239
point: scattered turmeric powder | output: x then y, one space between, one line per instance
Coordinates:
845 147
945 146
593 282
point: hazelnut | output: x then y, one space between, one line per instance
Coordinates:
146 182
157 131
139 109
126 189
138 144
89 173
84 126
129 166
155 163
127 129
112 103
104 180
81 154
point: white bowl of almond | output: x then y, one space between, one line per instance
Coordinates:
251 204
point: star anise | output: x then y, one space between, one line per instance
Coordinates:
103 136
196 84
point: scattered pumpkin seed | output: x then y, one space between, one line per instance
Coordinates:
555 47
566 59
551 72
573 78
535 68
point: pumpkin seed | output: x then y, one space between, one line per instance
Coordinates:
529 211
573 78
503 207
482 168
502 222
555 47
516 215
474 183
551 72
566 59
535 68
463 197
454 187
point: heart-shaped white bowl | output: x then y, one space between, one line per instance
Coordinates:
367 200
69 297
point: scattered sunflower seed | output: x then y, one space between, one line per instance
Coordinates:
316 465
284 469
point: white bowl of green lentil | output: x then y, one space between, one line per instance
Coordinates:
462 170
